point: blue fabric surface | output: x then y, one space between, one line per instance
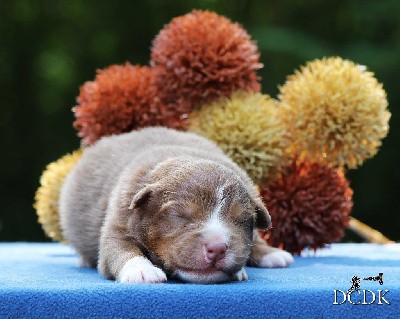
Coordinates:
44 281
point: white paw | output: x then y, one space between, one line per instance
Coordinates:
241 275
140 270
276 259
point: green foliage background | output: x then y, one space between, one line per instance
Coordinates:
48 48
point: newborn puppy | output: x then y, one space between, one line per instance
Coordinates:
159 202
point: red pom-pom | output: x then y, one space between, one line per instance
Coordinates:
120 99
201 56
309 206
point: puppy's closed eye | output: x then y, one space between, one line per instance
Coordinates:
246 223
179 217
177 214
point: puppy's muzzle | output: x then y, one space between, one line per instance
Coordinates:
215 251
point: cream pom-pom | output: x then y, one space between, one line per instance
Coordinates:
336 111
248 127
48 193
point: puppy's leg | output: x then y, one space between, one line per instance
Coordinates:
265 256
85 263
122 259
140 270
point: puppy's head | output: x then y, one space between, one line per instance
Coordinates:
196 219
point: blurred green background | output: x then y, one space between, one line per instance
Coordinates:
49 48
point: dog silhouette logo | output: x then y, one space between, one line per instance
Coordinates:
357 296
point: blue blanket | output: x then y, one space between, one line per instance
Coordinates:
44 281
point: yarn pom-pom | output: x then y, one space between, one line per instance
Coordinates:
248 127
202 56
48 193
336 111
309 206
120 99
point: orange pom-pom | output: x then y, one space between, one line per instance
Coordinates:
201 56
309 205
120 99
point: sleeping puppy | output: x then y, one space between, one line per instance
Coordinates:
157 202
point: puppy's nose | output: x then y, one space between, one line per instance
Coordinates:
215 251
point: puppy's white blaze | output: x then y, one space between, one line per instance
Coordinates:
214 227
220 199
220 193
219 206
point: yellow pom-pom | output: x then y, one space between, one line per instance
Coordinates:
248 127
336 111
47 195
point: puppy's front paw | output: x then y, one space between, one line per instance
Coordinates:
276 259
140 270
241 275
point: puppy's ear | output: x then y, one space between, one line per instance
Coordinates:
263 219
136 215
141 197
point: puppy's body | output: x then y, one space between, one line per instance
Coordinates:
169 197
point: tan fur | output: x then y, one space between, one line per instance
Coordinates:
147 193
